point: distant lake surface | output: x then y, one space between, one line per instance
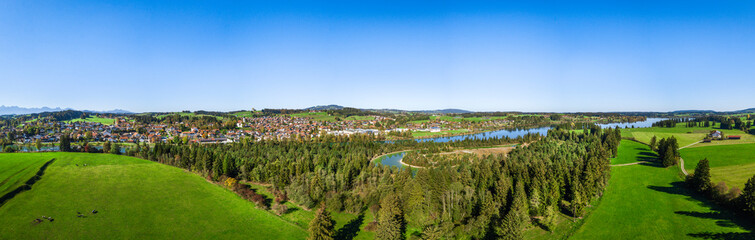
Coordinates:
643 124
492 134
395 159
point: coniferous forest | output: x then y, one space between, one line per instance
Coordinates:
493 196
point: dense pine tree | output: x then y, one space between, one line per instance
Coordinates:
322 226
701 177
748 196
513 222
391 223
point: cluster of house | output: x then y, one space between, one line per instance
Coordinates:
255 128
439 125
718 135
258 128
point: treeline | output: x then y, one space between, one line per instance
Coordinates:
708 121
741 202
484 197
668 150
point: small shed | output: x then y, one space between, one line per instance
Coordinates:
735 137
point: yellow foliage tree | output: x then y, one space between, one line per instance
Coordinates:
230 182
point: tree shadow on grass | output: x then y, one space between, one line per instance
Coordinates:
651 162
351 229
27 185
723 217
723 236
291 210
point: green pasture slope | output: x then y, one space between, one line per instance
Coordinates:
733 164
631 151
650 202
136 199
685 135
316 116
14 172
104 121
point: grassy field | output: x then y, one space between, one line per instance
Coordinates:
649 202
15 171
104 121
439 134
685 135
187 115
469 119
247 114
316 116
733 164
360 118
633 152
136 199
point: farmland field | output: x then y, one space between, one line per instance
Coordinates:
104 121
15 171
685 135
316 116
649 202
441 133
733 164
633 152
135 199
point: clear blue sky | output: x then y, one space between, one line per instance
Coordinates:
218 55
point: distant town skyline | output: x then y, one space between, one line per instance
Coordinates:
586 56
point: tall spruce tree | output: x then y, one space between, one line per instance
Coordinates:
322 226
515 219
701 179
748 196
653 143
391 224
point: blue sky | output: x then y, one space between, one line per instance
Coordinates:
484 56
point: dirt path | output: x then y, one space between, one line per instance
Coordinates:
408 165
689 145
681 160
628 164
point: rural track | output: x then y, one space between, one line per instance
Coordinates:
628 164
681 160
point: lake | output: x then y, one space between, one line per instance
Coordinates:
395 159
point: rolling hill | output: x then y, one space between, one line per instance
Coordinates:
134 198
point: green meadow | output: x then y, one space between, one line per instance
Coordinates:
135 199
438 134
14 172
685 135
651 202
631 151
316 116
733 164
104 121
469 119
183 114
360 118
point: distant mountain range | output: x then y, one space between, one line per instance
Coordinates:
16 110
439 111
